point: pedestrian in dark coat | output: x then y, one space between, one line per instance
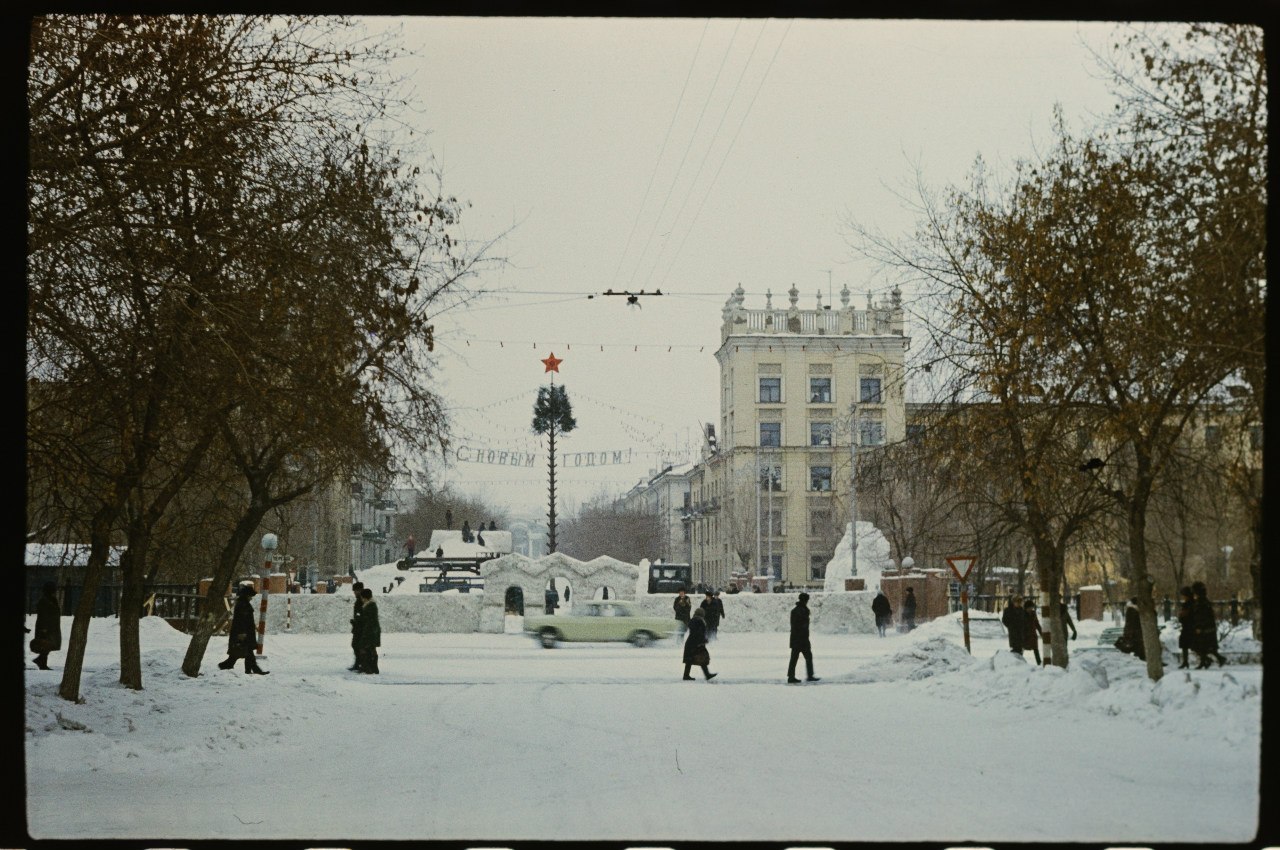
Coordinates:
1031 628
1013 618
1206 627
368 633
48 636
718 605
711 609
355 617
909 609
1130 640
550 599
883 610
1065 615
800 641
695 646
681 605
1187 627
242 641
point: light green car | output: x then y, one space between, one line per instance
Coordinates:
599 620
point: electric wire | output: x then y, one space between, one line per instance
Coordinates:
729 150
692 136
661 151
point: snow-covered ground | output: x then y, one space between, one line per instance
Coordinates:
489 738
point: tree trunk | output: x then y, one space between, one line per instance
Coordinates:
99 549
1141 586
131 593
212 610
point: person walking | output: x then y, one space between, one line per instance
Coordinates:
242 642
681 605
551 598
48 636
355 617
909 609
718 605
1013 618
695 646
800 641
1187 627
1064 614
1206 627
1130 640
368 633
712 615
1031 629
883 610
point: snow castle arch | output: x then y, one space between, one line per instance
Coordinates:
531 575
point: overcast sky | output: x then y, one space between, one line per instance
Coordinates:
691 156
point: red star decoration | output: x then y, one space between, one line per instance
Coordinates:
553 363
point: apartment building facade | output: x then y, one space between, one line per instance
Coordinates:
802 389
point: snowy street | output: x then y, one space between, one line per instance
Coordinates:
491 738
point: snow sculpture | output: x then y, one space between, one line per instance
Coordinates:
873 559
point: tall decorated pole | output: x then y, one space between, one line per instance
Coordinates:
552 414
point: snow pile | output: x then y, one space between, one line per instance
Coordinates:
873 559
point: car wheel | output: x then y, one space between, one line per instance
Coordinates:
642 639
547 637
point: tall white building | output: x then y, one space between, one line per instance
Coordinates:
797 385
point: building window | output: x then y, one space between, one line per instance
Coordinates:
819 433
773 524
1212 437
1255 437
820 478
774 567
818 566
870 390
819 522
915 432
771 478
819 390
1084 440
871 433
771 434
770 390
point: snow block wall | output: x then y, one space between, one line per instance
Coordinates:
829 613
531 576
422 613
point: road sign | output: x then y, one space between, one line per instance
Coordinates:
960 565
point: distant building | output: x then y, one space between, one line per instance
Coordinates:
665 494
795 386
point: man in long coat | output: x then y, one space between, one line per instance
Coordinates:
1206 627
48 636
368 633
800 641
883 610
682 605
242 642
355 617
1013 619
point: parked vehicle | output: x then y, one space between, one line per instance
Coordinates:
599 620
669 578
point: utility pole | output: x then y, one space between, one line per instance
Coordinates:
853 484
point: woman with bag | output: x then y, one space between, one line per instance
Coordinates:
695 645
